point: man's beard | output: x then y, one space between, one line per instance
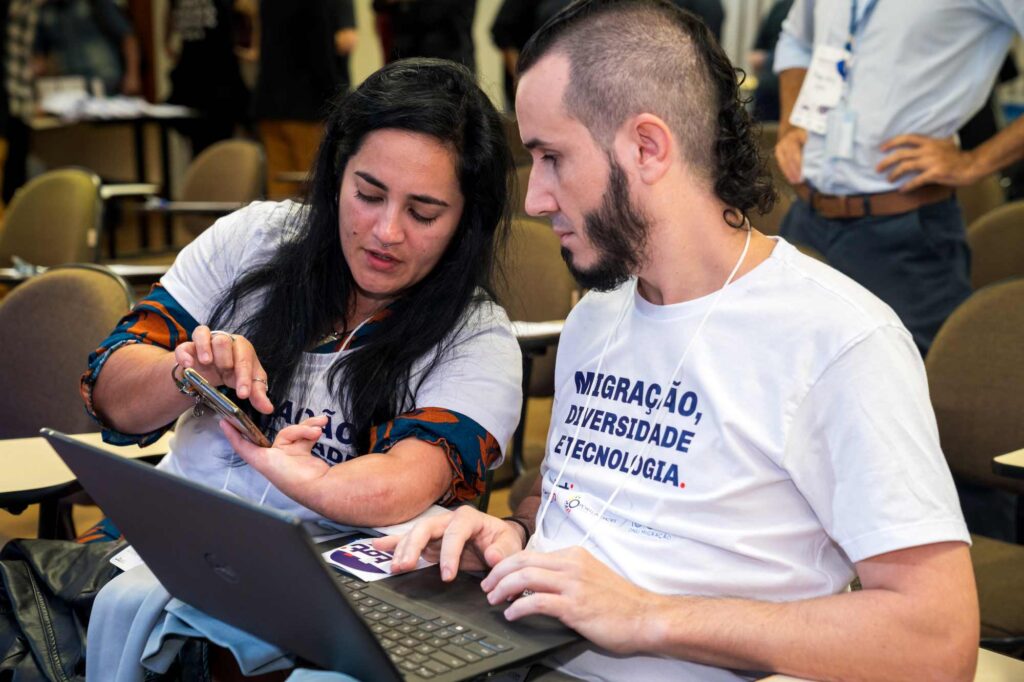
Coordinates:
618 231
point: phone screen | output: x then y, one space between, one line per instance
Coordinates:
225 408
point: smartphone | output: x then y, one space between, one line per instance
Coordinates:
224 407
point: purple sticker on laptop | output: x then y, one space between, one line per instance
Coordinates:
362 560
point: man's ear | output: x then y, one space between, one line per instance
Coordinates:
649 144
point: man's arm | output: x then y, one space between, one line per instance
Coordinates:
345 41
789 150
915 618
131 84
942 162
345 34
793 54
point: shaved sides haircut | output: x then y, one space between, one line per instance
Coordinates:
629 57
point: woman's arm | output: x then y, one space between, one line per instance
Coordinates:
376 489
137 393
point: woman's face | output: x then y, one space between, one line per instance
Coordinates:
399 205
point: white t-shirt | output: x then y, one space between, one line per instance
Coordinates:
797 439
480 378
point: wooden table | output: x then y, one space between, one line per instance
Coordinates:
32 472
133 274
1010 465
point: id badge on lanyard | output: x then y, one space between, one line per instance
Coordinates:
822 106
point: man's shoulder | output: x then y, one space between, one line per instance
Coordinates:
817 293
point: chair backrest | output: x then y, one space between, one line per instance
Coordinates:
978 199
230 170
53 219
997 244
537 288
48 327
976 377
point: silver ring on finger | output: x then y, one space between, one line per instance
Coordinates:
227 334
263 381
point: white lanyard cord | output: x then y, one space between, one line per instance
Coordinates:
679 365
586 404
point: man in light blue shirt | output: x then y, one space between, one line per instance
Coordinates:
874 173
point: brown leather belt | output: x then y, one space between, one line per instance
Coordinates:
836 207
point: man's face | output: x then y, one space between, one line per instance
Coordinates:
577 184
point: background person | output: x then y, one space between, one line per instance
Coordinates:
303 65
738 430
883 209
442 29
761 59
92 39
206 74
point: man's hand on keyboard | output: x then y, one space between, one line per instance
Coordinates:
465 538
577 589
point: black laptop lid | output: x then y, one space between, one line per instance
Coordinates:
289 598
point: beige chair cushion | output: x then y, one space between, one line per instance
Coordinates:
229 171
978 199
48 327
537 287
976 378
997 245
53 219
999 571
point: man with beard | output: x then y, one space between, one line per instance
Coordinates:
738 430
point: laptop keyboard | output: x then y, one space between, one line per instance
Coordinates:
420 646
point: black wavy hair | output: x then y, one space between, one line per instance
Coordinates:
629 57
307 287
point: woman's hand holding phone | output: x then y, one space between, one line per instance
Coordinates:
227 360
287 463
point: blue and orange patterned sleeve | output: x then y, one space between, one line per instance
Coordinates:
157 320
471 450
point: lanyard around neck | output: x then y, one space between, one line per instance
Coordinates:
857 24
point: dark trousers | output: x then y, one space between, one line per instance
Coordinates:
917 262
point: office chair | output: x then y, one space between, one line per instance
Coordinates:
975 375
53 219
48 327
978 199
997 244
537 288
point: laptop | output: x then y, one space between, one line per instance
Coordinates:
257 569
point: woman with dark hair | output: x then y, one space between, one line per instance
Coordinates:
356 329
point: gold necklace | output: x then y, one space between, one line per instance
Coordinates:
332 337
